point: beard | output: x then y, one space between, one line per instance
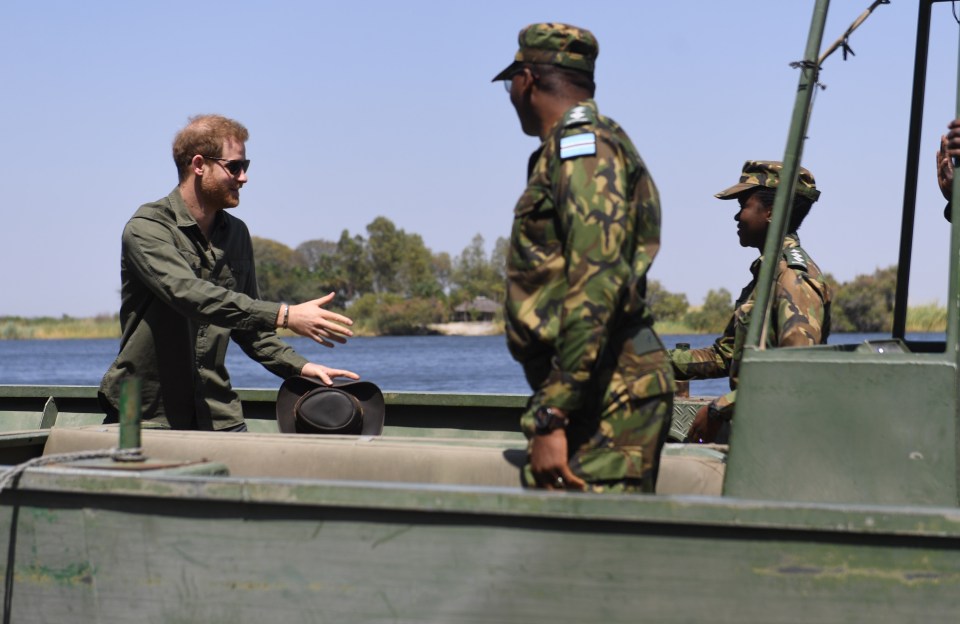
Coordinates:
219 193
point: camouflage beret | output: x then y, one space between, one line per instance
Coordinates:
767 173
554 44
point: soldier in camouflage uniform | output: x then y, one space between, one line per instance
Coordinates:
585 232
800 315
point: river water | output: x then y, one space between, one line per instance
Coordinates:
401 363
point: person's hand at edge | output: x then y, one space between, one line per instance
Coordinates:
944 169
548 462
326 374
702 429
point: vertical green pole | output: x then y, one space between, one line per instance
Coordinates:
783 201
953 303
130 413
908 214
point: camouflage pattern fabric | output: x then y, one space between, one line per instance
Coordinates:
800 317
618 457
585 232
554 44
766 173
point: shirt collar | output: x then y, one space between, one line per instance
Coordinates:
182 213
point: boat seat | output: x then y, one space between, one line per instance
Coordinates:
412 460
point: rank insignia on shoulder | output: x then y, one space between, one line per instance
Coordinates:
578 145
795 258
576 116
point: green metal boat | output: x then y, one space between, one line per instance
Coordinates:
839 505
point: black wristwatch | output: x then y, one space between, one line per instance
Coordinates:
548 419
716 416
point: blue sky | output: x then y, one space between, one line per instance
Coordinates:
363 109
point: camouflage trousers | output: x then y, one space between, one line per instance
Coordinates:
615 441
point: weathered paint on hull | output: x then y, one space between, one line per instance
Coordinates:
98 548
424 414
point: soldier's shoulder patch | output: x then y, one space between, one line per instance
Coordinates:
796 258
584 144
577 116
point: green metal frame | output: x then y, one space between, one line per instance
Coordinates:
846 424
782 203
820 425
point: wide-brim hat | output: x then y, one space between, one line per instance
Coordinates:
348 407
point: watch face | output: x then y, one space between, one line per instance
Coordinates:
548 420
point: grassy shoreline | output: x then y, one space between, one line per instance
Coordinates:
924 318
49 328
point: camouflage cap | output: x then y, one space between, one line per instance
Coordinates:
767 173
554 44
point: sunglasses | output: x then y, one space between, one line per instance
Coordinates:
235 167
508 81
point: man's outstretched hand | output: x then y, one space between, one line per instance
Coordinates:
312 321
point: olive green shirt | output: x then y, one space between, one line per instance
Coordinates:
182 298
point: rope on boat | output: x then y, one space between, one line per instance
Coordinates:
10 476
844 41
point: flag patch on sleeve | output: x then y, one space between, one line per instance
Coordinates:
578 145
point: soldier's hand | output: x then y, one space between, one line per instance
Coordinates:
953 138
548 462
310 320
702 429
325 374
944 169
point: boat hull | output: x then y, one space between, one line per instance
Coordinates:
92 546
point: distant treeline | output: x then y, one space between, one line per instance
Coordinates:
864 304
397 285
53 328
389 282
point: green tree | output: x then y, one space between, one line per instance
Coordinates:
714 314
270 252
415 276
393 314
282 274
475 275
401 263
498 264
317 253
442 269
866 303
385 248
352 270
666 306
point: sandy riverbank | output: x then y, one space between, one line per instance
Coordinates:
467 328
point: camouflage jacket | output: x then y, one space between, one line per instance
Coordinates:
584 234
800 317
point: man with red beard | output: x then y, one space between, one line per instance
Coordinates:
188 285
